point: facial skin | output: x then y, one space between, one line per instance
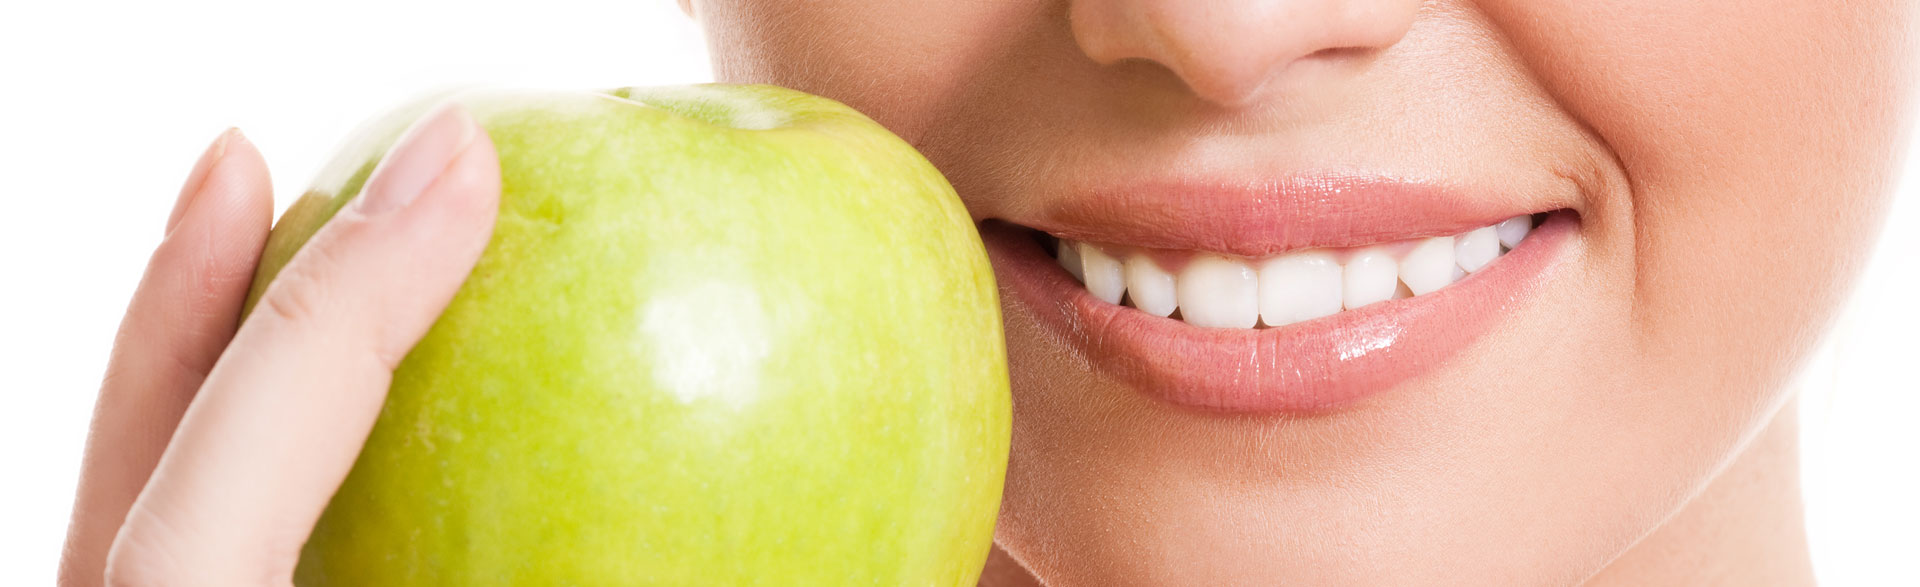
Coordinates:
1627 421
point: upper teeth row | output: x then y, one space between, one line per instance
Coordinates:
1218 291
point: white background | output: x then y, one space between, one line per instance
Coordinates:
105 105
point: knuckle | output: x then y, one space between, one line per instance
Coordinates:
332 288
299 293
203 272
292 304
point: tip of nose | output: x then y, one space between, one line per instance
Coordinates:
1227 56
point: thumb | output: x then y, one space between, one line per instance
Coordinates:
284 412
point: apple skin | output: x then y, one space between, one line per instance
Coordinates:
722 335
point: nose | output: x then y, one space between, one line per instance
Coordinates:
1226 50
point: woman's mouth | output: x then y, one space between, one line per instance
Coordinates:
1215 290
1311 311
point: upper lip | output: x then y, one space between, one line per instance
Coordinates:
1259 217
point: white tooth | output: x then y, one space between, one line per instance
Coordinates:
1069 255
1151 286
1370 276
1102 274
1476 248
1429 266
1217 292
1513 229
1299 286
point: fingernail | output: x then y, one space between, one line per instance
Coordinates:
418 159
198 178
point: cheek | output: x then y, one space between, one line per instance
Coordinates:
1757 144
904 64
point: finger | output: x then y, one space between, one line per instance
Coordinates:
285 411
182 315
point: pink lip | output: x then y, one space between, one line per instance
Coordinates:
1264 218
1311 366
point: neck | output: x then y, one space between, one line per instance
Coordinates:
1745 528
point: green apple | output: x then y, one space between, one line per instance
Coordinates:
722 335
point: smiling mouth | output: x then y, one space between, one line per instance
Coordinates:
1217 290
1298 295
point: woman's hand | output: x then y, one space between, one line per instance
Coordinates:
215 446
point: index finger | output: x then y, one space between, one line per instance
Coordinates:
182 315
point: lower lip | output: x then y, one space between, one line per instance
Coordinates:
1317 365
